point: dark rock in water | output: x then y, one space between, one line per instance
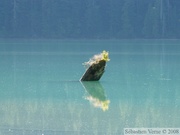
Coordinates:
95 67
94 72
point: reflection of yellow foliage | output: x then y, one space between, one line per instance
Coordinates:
104 105
105 56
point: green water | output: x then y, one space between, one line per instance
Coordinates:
40 92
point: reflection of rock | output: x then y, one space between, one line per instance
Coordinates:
96 95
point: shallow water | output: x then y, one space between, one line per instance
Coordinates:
40 92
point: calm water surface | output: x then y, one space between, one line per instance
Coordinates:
40 92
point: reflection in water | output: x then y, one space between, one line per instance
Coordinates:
32 103
96 95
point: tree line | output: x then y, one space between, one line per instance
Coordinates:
90 19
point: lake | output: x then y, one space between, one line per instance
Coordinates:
40 91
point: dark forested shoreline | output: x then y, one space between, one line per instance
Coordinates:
90 19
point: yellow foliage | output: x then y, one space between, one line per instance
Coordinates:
105 56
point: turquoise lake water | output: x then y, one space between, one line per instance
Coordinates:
40 92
